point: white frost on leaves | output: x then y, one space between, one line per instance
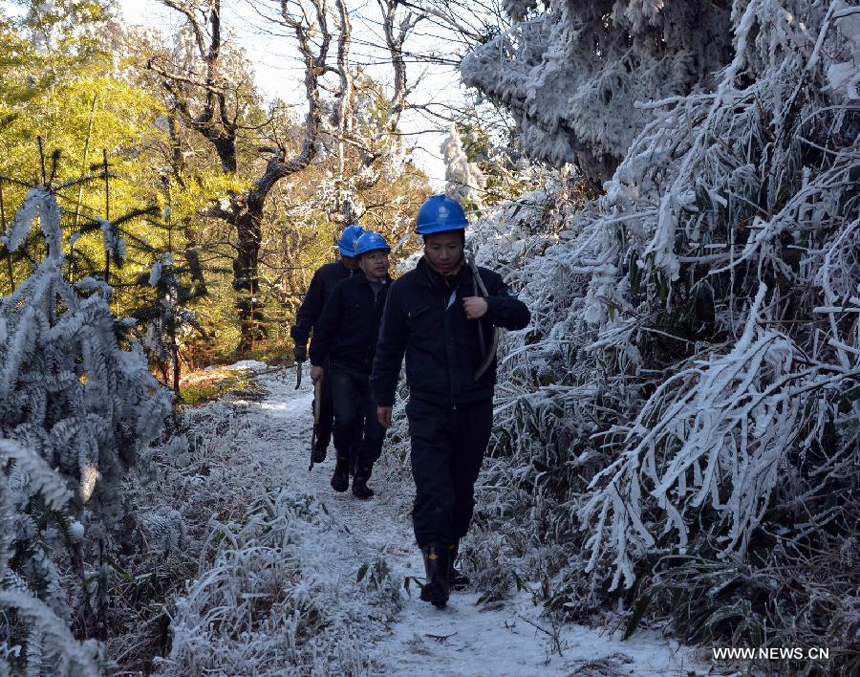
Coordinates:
39 202
572 75
164 529
155 273
844 76
90 283
465 182
27 476
694 326
89 476
76 531
113 243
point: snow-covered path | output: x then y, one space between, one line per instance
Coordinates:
340 547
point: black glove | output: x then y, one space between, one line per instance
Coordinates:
300 353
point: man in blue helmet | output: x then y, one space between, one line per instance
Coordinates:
345 341
442 315
323 284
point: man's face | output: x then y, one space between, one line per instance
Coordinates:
374 264
350 262
444 251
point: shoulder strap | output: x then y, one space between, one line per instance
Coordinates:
489 352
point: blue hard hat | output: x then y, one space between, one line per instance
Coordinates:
369 242
438 214
346 243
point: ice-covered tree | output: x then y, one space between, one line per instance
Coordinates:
686 400
572 73
464 180
35 631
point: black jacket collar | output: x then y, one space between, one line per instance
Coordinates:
435 280
362 278
346 272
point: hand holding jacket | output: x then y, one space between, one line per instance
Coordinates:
476 307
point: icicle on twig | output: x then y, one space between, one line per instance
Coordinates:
42 160
107 212
8 251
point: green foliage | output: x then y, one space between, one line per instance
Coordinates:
86 99
212 384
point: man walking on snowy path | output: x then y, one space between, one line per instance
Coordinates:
345 340
322 286
441 316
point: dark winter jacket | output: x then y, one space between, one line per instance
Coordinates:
442 347
347 330
323 284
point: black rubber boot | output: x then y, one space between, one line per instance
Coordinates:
436 565
359 483
456 580
319 452
340 479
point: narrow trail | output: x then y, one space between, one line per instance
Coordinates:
503 639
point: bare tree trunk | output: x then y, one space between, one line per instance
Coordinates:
214 122
246 282
345 206
375 148
218 123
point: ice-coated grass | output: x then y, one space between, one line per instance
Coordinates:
290 577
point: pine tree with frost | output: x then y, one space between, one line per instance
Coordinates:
75 410
169 320
30 621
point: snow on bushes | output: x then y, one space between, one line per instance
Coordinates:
273 582
686 402
35 631
265 600
464 180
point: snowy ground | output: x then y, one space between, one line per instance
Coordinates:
313 582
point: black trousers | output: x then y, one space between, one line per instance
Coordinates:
358 435
448 447
326 413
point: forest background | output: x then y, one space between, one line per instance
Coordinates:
182 127
671 186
